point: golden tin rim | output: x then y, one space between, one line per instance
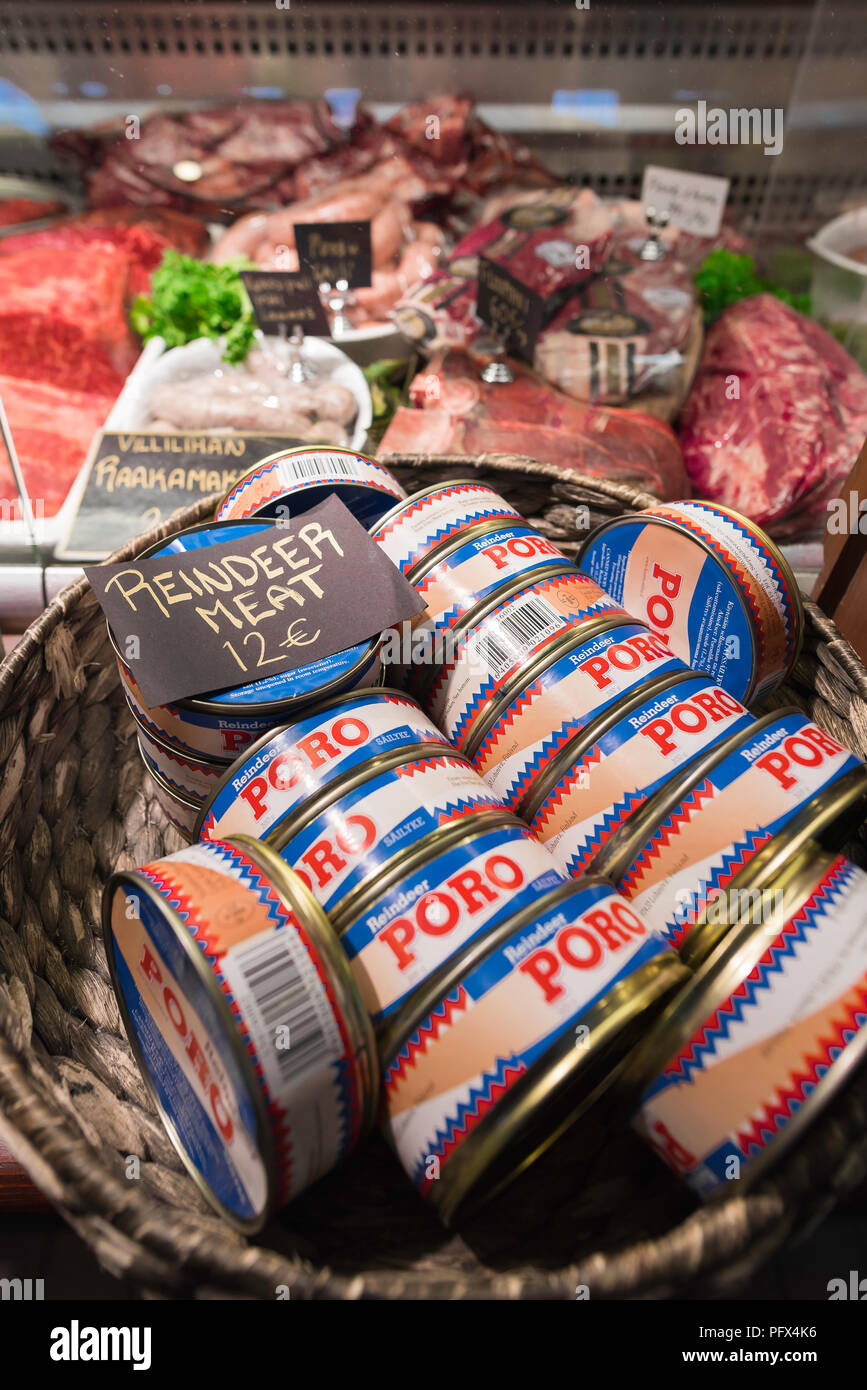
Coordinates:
293 451
443 837
251 709
584 738
486 1152
825 820
486 606
617 853
307 811
570 640
650 515
309 711
299 898
716 976
133 879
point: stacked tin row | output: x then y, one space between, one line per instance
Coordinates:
502 992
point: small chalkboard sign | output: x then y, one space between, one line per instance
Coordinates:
514 312
253 605
135 479
284 299
336 251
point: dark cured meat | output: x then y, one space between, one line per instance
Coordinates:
783 445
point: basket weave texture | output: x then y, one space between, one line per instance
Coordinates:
602 1211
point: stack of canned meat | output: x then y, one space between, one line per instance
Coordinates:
553 857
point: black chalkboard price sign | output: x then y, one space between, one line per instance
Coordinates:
336 252
136 478
285 299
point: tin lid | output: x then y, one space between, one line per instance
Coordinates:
568 641
200 1073
780 560
563 1083
824 822
585 738
619 851
753 929
294 452
650 517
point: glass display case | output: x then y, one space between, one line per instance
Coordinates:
129 130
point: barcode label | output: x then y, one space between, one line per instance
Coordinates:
510 635
325 466
284 1005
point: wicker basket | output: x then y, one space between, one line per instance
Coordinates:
603 1211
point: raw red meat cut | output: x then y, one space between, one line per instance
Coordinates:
52 429
65 344
14 211
775 418
456 412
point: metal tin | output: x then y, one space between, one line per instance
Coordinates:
180 809
494 640
375 813
222 724
687 843
280 771
608 770
749 1053
435 515
417 930
192 777
552 698
528 1039
289 483
712 583
242 1014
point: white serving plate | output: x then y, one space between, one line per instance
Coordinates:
156 366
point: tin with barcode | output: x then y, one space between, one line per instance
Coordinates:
460 573
375 816
695 839
243 1017
219 725
420 925
711 583
289 483
436 515
527 1040
522 728
495 639
772 1025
